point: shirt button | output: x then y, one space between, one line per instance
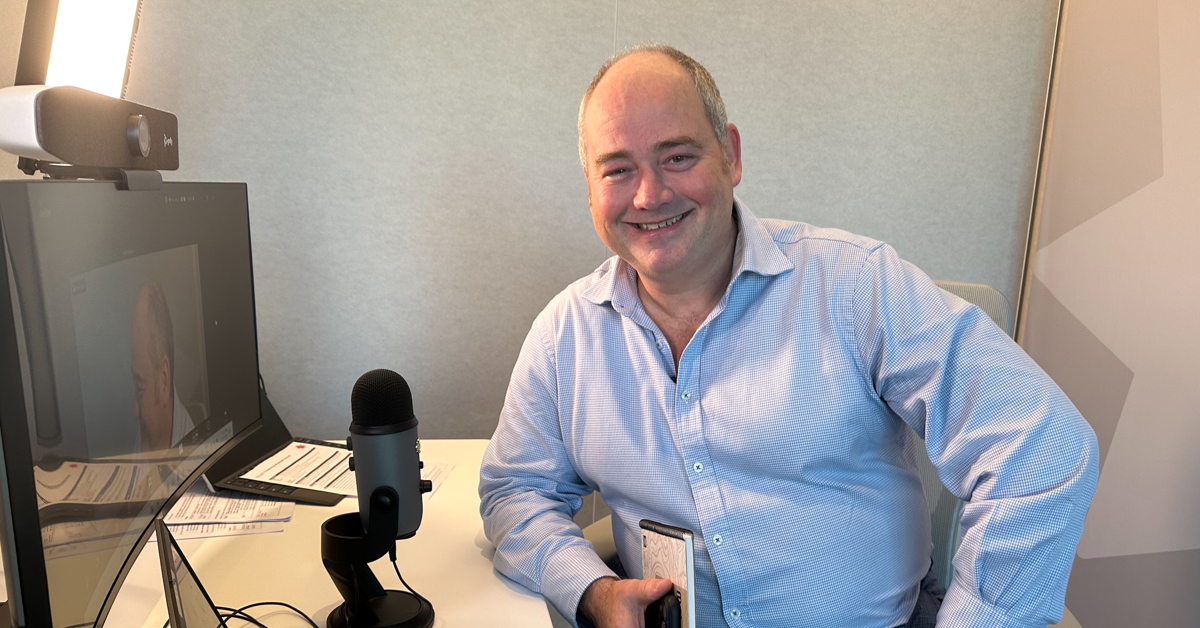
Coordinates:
735 613
686 395
658 343
717 540
698 467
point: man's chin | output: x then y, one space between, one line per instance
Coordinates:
662 266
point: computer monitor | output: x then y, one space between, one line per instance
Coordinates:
128 362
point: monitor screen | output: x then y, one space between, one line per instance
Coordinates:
132 314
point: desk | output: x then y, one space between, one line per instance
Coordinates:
448 561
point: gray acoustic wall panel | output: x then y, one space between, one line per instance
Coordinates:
415 194
917 123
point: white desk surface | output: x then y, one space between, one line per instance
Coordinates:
448 562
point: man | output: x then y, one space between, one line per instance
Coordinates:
761 383
161 415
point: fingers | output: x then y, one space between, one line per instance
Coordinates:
651 590
611 603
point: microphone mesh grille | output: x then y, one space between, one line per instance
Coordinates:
380 397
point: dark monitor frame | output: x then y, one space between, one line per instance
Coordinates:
20 528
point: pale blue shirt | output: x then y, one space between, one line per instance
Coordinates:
785 442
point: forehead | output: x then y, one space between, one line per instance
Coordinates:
645 96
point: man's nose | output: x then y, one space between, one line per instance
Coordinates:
653 192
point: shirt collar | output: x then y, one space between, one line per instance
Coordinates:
756 252
761 255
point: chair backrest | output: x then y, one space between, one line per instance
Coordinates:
945 510
989 299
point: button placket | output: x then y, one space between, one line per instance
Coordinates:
694 447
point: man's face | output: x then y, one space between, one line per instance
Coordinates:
660 185
153 401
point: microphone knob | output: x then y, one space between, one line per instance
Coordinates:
420 464
350 443
351 462
426 486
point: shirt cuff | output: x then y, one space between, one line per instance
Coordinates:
568 573
962 608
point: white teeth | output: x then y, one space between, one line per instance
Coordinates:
665 223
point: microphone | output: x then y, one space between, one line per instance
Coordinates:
383 439
387 471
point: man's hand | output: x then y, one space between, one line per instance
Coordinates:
612 603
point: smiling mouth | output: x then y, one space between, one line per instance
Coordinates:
666 223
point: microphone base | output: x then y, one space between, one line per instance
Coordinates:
394 609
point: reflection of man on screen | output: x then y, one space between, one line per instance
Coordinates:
156 406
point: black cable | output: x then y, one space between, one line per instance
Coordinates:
392 555
220 617
283 604
240 613
233 613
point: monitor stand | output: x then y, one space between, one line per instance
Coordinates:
188 604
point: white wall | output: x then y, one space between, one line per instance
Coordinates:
1116 287
415 194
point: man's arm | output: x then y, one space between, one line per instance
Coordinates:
530 492
1002 436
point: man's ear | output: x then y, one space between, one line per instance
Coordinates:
164 375
733 152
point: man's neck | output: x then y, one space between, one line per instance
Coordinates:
681 305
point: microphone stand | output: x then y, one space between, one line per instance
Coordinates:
347 551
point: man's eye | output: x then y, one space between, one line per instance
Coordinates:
615 172
679 159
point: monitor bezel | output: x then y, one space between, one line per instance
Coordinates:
27 583
24 558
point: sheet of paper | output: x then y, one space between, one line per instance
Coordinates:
100 482
209 530
305 465
121 480
199 505
71 538
436 472
325 468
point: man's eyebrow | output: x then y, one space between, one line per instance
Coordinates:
664 145
675 142
613 156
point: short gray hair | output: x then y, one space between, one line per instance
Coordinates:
706 88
